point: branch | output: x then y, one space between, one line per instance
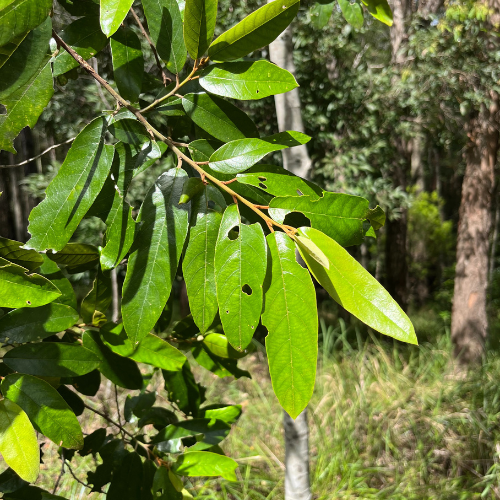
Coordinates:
75 478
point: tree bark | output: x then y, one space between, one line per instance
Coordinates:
469 322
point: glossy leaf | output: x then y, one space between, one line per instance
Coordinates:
291 318
255 31
98 300
18 443
203 463
73 190
19 16
51 359
84 36
247 80
355 289
13 252
121 371
75 255
240 267
353 12
219 117
26 59
19 289
380 10
127 480
183 390
199 25
128 63
45 407
51 271
237 156
218 345
113 12
321 13
338 215
152 265
165 27
25 105
30 325
151 349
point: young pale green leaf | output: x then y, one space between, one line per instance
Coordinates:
51 271
218 345
18 443
355 289
218 117
76 256
204 463
46 409
97 301
291 317
73 190
151 349
128 63
338 215
51 359
165 27
198 266
121 371
240 268
85 37
199 25
380 10
25 105
127 480
113 12
313 250
321 13
30 325
255 31
353 12
192 188
26 59
222 367
20 16
184 390
238 156
246 80
13 252
18 289
155 254
279 182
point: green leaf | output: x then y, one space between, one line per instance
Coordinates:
192 188
80 8
19 16
51 359
204 463
163 489
237 156
156 416
165 27
127 480
121 371
29 325
113 12
356 290
135 406
218 117
199 25
51 271
380 10
247 79
353 12
279 182
18 443
376 216
321 13
73 190
26 59
149 154
32 493
222 367
98 299
18 289
77 257
338 215
257 30
129 131
13 252
128 63
218 345
8 49
151 349
229 414
46 409
74 401
25 105
10 481
291 317
87 384
84 36
152 265
240 268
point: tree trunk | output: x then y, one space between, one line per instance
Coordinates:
469 323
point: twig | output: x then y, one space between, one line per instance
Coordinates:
118 411
38 156
99 88
60 473
75 478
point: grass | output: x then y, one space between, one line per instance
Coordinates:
386 421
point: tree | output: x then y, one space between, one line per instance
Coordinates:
203 217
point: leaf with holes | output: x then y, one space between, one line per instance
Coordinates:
240 268
246 80
291 318
113 12
199 25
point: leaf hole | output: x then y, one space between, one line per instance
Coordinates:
257 91
28 302
227 312
300 193
262 185
233 233
247 289
262 179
